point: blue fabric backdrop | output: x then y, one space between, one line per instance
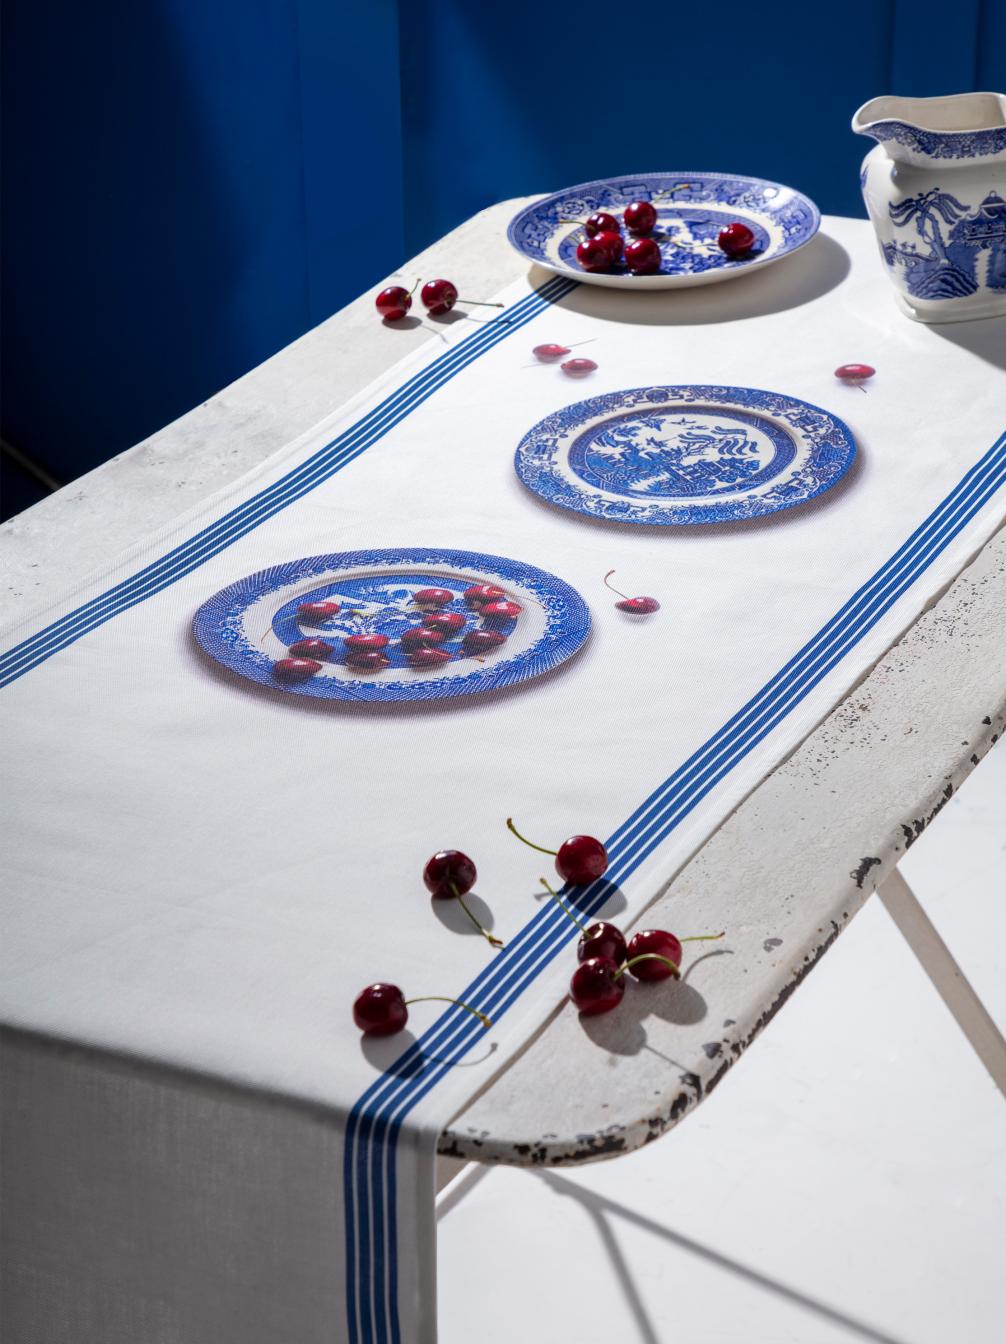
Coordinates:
190 185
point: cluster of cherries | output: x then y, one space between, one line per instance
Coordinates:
603 954
437 297
604 247
421 643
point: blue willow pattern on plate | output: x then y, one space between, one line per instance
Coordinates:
375 589
691 213
673 455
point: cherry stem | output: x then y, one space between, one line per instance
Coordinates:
480 303
562 905
413 289
703 937
529 843
613 588
442 998
490 939
647 956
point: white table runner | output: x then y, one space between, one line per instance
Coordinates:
205 875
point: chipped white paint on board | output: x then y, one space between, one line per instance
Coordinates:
787 870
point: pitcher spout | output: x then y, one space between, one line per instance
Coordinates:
919 131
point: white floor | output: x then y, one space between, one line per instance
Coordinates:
846 1182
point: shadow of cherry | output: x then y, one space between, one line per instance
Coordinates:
401 1056
454 919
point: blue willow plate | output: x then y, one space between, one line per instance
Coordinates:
250 624
692 208
693 454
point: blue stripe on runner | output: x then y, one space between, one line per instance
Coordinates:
245 517
500 985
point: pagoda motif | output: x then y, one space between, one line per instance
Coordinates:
953 241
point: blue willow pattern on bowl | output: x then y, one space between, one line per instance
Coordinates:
692 208
673 455
380 585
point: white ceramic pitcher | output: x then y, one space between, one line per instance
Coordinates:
935 189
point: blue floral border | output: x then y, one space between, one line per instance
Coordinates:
832 445
941 144
217 626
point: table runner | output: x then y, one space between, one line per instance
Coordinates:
205 925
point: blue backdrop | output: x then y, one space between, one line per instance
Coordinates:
190 184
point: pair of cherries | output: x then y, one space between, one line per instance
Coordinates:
382 1009
437 297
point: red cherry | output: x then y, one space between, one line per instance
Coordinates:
420 637
602 940
600 222
613 242
640 217
446 622
449 873
367 662
379 1010
428 658
500 611
855 373
295 669
433 597
593 255
581 859
310 648
596 986
643 257
313 613
578 368
736 239
482 641
639 606
480 593
654 942
365 643
550 354
393 303
438 296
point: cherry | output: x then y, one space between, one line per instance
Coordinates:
367 662
597 986
311 648
640 217
551 353
433 597
394 302
856 374
600 222
643 257
446 622
481 593
423 658
593 255
365 643
578 368
653 944
421 637
578 860
382 1010
449 873
494 612
482 641
295 669
602 940
440 296
613 241
637 606
316 612
736 239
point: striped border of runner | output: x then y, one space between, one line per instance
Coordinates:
374 1123
245 517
